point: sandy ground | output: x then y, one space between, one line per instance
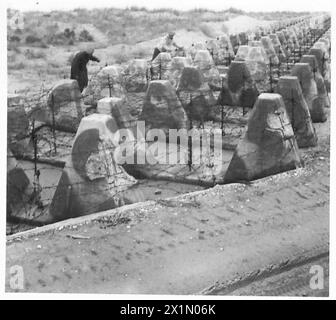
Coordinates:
191 244
295 282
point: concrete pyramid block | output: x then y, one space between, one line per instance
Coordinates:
225 45
281 37
213 48
18 139
195 94
268 145
293 38
205 63
92 180
177 66
323 65
243 39
19 188
238 76
65 101
318 53
323 46
321 88
242 53
162 109
278 47
257 63
309 89
259 31
269 49
116 107
297 110
234 39
326 41
240 84
300 36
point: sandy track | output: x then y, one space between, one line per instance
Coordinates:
294 282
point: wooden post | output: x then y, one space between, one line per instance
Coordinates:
279 65
109 85
36 171
189 137
323 62
222 110
293 103
53 121
271 76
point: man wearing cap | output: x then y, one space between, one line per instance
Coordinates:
167 44
78 67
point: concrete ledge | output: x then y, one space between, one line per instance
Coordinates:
124 209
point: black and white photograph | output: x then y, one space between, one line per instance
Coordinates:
167 149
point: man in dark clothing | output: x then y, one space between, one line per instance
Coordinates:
78 67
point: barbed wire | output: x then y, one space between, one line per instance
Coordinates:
48 91
42 99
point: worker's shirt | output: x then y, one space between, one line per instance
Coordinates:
166 44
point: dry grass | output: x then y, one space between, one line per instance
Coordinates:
31 54
109 28
128 26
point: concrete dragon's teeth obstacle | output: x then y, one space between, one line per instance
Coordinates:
321 88
64 109
323 64
318 53
195 95
161 108
92 180
257 63
225 44
18 139
177 66
269 49
204 61
268 145
234 39
213 48
316 104
241 89
278 47
243 38
242 53
326 41
19 188
297 111
116 107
